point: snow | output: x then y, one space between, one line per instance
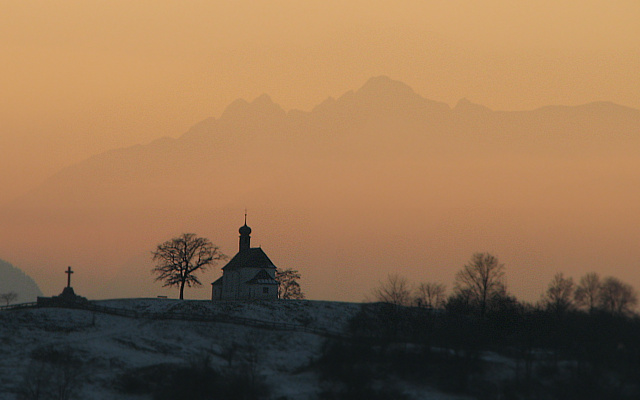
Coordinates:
111 345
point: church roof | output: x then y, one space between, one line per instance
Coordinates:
262 278
249 258
217 282
244 229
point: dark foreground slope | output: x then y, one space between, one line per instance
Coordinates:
380 352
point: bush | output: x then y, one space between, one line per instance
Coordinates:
53 374
195 381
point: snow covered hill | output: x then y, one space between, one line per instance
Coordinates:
97 356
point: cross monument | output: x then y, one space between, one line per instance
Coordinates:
68 272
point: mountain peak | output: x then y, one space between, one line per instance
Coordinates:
263 100
384 86
382 91
465 105
261 106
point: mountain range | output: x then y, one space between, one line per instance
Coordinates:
255 143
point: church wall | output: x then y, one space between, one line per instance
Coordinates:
230 283
246 274
216 292
257 292
235 288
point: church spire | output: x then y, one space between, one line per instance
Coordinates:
245 235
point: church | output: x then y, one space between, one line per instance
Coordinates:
250 275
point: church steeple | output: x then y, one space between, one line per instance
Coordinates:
245 235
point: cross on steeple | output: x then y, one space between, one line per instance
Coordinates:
68 272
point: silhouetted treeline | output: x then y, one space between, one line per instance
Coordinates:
517 351
580 341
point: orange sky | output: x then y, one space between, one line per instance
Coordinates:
81 77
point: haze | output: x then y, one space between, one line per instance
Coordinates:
79 78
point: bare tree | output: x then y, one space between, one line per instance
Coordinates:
559 294
177 260
617 297
53 373
481 280
430 295
288 285
395 290
9 297
587 293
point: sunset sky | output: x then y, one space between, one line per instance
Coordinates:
81 77
78 78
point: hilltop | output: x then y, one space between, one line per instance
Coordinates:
108 355
160 349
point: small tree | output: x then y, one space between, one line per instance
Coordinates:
9 297
394 290
587 292
559 294
481 280
177 260
430 295
53 373
617 297
288 285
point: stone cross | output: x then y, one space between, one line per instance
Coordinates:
68 272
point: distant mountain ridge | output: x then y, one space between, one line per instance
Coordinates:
259 139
